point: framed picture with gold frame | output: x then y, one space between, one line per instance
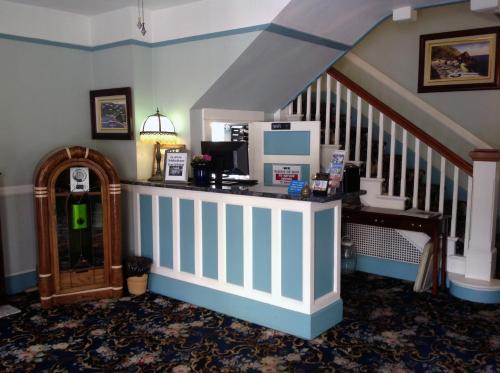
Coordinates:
169 149
111 113
460 60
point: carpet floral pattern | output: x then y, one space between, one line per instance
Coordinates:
386 328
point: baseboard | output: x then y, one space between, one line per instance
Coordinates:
387 267
19 282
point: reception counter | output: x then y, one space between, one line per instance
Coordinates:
254 253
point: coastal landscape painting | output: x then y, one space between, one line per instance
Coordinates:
460 60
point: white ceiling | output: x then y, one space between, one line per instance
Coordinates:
93 7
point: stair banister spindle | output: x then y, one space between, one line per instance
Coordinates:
328 105
416 171
380 154
317 115
451 156
453 228
337 114
299 104
357 149
391 158
348 126
428 179
308 103
467 215
290 108
442 181
369 142
404 151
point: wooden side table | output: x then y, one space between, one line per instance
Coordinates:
435 225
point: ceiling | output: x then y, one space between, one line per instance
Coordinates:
94 7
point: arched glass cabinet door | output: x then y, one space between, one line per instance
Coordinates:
79 237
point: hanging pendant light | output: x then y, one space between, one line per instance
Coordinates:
141 24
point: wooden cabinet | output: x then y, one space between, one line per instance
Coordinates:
77 199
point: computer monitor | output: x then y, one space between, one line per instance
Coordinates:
228 157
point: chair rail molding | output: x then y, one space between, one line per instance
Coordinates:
16 190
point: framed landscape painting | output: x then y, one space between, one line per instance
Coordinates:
460 60
111 113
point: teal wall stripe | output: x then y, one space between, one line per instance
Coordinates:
268 172
323 252
17 283
387 267
270 27
292 322
287 142
234 244
304 36
212 35
45 42
146 216
291 254
209 239
128 42
166 232
186 223
261 253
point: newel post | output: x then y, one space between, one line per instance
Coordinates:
481 255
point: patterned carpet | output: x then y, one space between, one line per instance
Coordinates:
387 328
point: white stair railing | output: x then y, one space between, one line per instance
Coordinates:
449 183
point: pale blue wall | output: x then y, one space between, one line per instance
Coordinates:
44 104
44 101
393 48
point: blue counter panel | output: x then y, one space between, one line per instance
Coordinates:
291 254
234 244
261 237
288 321
166 232
268 172
209 239
146 217
323 252
186 222
287 142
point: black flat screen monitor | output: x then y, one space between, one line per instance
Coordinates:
228 157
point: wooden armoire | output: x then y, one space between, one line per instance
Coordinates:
77 201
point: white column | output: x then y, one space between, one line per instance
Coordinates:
481 256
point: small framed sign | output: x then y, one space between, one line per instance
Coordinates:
284 174
280 126
176 166
296 186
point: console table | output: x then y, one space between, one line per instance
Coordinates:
435 225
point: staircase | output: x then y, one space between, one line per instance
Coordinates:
402 166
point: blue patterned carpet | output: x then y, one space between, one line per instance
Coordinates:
387 328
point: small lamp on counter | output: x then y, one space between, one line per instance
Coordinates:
158 129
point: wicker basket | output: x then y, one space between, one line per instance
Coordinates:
137 284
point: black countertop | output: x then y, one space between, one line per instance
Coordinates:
244 190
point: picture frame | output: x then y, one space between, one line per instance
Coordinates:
166 148
175 166
111 114
460 60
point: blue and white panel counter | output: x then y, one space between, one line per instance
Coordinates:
253 253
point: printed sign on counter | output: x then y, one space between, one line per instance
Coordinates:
176 166
283 175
